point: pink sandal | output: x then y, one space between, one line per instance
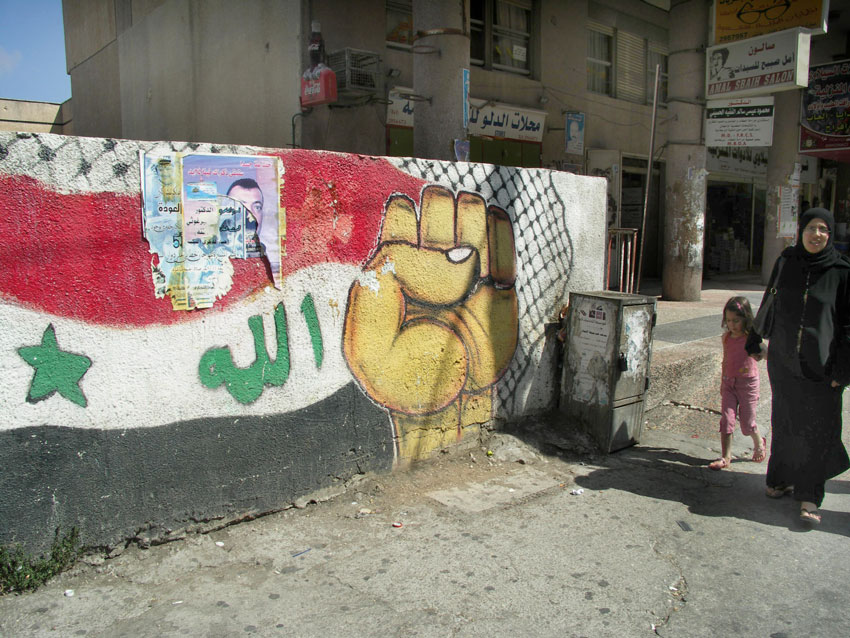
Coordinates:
719 464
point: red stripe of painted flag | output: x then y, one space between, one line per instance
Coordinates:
83 256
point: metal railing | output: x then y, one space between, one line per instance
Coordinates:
622 244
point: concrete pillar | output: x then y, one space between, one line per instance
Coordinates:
684 222
438 62
780 168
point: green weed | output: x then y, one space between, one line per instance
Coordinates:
21 572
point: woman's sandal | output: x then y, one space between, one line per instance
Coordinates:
808 515
778 492
719 464
759 454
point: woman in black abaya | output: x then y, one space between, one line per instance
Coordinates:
808 361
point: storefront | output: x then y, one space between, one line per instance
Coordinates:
736 195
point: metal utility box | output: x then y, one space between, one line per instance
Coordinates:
607 351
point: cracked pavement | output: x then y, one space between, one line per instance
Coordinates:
655 544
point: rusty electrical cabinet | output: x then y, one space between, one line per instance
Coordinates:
608 346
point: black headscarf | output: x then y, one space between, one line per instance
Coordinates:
827 257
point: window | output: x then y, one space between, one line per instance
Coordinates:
600 57
657 55
500 35
622 65
400 22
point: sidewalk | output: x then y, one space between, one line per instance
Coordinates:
543 537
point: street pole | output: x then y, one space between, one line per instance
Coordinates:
648 179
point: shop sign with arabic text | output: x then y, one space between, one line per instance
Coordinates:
741 19
825 113
758 66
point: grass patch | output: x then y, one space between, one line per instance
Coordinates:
21 572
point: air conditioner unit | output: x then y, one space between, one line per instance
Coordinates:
357 72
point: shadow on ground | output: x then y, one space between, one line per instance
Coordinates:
673 474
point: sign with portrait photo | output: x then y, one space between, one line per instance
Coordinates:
758 66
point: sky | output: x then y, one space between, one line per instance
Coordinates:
32 51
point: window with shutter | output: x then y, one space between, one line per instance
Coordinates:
631 67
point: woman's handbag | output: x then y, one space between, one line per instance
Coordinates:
763 323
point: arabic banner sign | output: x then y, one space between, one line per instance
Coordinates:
741 122
199 211
743 161
741 19
824 117
766 64
504 120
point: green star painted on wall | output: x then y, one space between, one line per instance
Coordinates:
55 370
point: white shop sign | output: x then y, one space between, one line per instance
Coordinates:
741 122
764 64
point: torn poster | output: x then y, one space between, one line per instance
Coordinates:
199 211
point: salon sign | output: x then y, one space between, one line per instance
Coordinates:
758 66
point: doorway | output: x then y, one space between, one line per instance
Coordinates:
734 230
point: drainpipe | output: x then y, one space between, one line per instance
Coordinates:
302 114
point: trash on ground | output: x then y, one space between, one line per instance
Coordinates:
396 524
577 492
69 592
219 544
685 526
304 551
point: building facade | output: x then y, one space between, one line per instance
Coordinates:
562 84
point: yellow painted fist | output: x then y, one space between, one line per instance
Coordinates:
431 322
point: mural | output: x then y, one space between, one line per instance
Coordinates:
432 321
55 370
246 384
410 307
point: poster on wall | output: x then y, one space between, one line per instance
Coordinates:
200 211
574 126
758 66
400 107
741 19
824 118
741 122
591 349
788 211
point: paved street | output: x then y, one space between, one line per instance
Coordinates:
542 538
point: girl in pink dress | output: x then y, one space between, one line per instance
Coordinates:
739 389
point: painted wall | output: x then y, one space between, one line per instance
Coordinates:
413 308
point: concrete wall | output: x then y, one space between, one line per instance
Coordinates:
416 305
213 70
35 117
209 70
